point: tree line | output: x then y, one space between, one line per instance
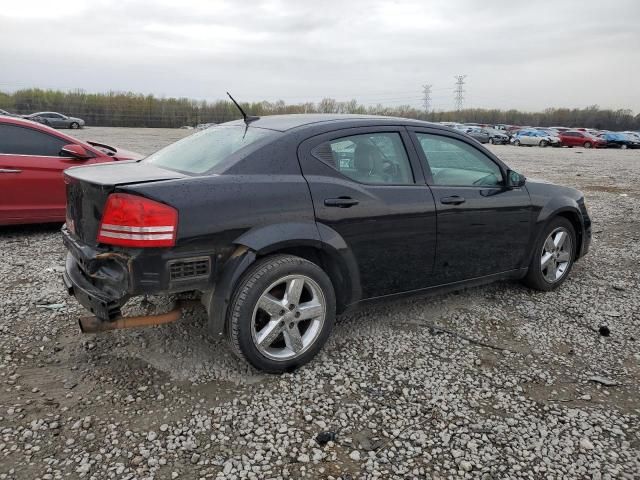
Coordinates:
128 109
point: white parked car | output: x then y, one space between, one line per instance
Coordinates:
532 137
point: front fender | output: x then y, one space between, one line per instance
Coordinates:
561 205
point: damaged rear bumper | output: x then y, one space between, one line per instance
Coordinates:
100 303
104 279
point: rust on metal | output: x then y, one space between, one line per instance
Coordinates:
95 325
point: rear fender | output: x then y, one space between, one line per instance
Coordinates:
277 238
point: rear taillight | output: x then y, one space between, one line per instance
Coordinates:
133 221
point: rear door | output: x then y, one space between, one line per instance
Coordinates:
483 227
56 120
528 138
367 185
31 183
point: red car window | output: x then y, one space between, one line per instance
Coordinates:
19 140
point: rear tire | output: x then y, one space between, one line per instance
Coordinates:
587 145
74 125
543 143
517 143
268 326
553 256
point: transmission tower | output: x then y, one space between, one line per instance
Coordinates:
426 98
459 91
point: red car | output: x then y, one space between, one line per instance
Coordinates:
574 138
32 158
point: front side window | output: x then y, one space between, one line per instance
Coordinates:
455 163
15 140
375 158
202 151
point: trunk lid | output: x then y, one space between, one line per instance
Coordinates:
88 188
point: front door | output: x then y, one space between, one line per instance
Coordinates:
483 227
368 187
31 181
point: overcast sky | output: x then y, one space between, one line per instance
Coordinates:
516 54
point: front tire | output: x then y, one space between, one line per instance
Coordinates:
543 143
281 313
517 143
553 256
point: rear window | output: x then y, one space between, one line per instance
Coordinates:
203 151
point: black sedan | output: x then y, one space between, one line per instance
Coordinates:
497 137
280 223
619 140
477 133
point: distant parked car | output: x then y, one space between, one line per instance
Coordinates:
619 140
32 158
497 137
581 139
560 129
532 137
203 126
7 114
55 120
633 135
477 133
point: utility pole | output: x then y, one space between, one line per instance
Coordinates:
426 99
459 91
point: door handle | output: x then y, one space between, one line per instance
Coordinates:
341 202
10 170
453 200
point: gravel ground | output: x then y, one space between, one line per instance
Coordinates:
491 382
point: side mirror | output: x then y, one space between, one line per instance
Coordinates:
515 180
75 151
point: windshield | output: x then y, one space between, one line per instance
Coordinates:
202 151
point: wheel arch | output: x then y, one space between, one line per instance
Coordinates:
570 212
304 240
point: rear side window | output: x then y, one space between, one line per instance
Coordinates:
375 158
17 140
202 151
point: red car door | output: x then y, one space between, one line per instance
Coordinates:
31 182
571 139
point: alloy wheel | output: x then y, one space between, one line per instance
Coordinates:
288 317
556 255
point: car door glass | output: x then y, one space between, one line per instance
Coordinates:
376 158
17 140
455 163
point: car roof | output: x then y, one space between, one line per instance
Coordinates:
282 123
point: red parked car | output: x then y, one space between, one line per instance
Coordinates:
574 138
32 158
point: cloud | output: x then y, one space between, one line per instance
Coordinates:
517 55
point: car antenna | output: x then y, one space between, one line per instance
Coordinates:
247 118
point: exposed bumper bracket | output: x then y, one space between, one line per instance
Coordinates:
95 325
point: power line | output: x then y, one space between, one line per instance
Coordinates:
459 91
426 100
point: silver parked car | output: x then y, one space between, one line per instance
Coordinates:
532 136
55 120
